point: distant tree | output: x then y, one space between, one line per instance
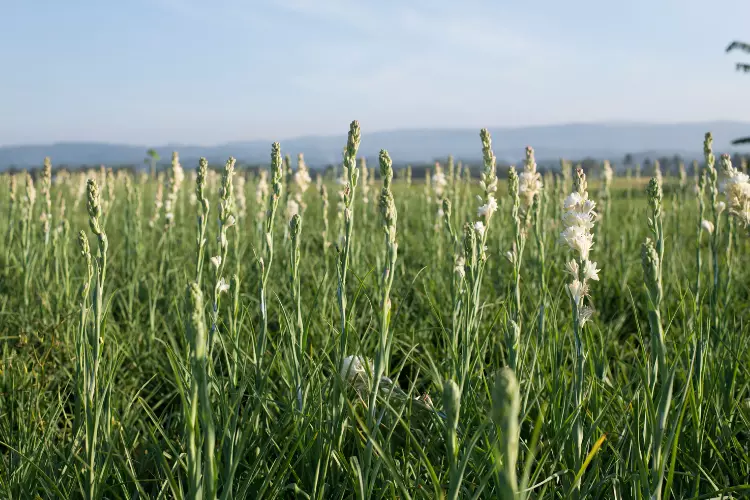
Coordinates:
665 163
745 47
628 160
589 165
153 157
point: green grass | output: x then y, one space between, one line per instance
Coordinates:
323 451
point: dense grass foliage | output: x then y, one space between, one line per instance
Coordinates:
197 391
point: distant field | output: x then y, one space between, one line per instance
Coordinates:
458 371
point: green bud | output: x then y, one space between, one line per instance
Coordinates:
506 406
295 226
452 403
386 168
579 181
447 207
196 324
650 264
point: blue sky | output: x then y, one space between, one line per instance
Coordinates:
206 72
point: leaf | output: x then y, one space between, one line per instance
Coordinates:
590 457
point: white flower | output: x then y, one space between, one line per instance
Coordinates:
216 261
572 200
459 267
439 179
579 240
302 178
488 208
529 183
590 272
588 207
720 207
572 268
222 286
354 369
511 256
735 177
578 291
581 219
292 208
479 227
261 189
707 226
584 314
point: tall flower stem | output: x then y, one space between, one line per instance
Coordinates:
200 424
716 208
388 217
700 190
46 217
298 333
264 263
96 401
10 234
578 220
200 191
351 175
652 258
513 329
539 215
27 216
226 220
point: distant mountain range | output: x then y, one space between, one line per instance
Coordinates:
572 141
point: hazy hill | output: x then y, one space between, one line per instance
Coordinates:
574 141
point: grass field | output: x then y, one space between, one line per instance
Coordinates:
382 345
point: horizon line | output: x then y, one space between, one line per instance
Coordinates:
381 131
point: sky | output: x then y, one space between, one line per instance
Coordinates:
203 72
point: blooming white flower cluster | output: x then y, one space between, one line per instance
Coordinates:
239 196
488 208
261 193
736 187
427 186
302 180
657 172
439 181
177 175
530 181
364 173
292 208
578 220
158 203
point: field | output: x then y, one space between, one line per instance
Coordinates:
188 336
